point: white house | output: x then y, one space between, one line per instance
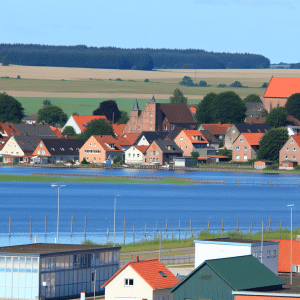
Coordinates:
225 247
141 280
79 123
136 155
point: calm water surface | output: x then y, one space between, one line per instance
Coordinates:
143 203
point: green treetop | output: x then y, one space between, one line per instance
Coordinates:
11 110
178 97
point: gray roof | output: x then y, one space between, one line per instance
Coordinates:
174 133
252 128
163 145
43 131
63 147
27 143
136 105
150 136
152 100
33 117
210 137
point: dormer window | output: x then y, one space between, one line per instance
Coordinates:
71 149
62 149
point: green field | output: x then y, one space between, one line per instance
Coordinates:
31 178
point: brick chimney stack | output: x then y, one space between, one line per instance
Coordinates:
137 258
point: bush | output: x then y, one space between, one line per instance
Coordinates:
203 83
146 80
187 81
18 77
222 85
118 79
296 167
70 161
236 84
265 85
84 162
117 160
195 154
1 159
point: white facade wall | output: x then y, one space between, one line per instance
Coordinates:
143 142
116 289
134 156
205 250
12 148
71 122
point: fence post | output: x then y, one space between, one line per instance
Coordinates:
222 226
269 224
107 235
185 234
238 224
124 232
251 226
157 228
208 225
167 228
280 224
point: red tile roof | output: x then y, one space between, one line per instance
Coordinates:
9 128
216 129
296 138
217 156
284 256
118 128
252 138
123 141
142 148
260 120
132 137
191 133
280 87
293 120
149 270
57 132
80 120
193 108
107 139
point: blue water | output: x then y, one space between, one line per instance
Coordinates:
143 203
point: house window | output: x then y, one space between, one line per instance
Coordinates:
94 144
245 148
186 147
285 157
151 152
162 274
172 127
165 127
294 157
156 159
245 157
151 115
230 139
41 145
133 155
39 152
43 152
139 127
241 140
233 131
237 148
287 149
128 282
292 141
294 149
181 138
90 144
138 155
150 159
237 157
129 154
274 253
269 253
151 127
156 152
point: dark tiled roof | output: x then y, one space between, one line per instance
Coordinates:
43 131
151 136
254 128
48 248
210 137
177 113
62 146
165 143
27 143
33 117
174 133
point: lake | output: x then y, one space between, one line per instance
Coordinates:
143 203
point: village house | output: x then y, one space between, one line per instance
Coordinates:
211 139
57 150
80 123
218 130
245 146
291 150
224 278
31 119
254 109
159 117
147 137
99 149
262 164
260 120
238 128
162 152
131 137
279 90
192 141
136 155
41 130
145 279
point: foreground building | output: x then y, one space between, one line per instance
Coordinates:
147 279
55 271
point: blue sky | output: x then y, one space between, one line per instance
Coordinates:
267 27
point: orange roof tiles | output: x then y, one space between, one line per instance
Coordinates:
280 87
57 132
123 141
132 137
107 139
253 138
296 138
217 156
9 128
80 120
284 256
191 133
118 128
142 148
149 270
216 128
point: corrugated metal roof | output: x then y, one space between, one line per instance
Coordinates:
240 273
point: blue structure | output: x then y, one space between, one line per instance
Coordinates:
54 271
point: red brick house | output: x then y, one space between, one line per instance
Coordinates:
279 90
159 117
162 152
245 146
291 150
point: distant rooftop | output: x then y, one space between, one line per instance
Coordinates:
49 248
237 241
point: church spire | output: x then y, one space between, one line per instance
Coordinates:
136 105
152 100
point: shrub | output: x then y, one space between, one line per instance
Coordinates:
18 77
195 154
118 79
264 85
70 161
236 84
203 83
222 85
146 80
117 160
187 81
84 162
1 159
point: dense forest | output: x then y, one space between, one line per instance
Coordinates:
82 56
295 66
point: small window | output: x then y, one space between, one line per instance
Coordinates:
156 152
287 148
41 145
128 282
162 274
274 253
294 157
156 159
129 154
166 127
237 148
237 157
90 144
39 152
233 131
292 141
43 152
139 127
245 157
150 159
94 144
241 140
230 139
133 155
245 148
285 157
186 147
269 253
138 155
294 149
151 152
181 138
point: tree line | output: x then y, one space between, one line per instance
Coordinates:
82 56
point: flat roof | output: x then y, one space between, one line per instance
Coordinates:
43 248
229 241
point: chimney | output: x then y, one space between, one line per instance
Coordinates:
137 259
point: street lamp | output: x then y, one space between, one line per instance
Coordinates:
58 186
291 277
115 217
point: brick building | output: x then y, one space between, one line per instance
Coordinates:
279 90
159 117
291 150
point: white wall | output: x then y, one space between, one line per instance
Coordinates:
130 159
143 142
117 289
214 250
73 124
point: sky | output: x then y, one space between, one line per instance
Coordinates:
266 27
